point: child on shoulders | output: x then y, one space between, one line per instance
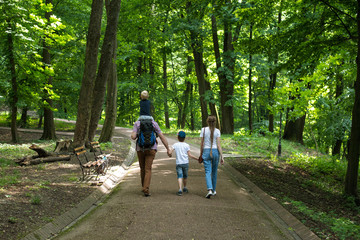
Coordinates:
145 105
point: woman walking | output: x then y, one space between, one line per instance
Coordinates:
211 152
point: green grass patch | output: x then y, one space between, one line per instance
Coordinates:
343 227
35 199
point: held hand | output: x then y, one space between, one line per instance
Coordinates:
169 153
222 161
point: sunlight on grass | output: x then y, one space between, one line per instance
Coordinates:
344 228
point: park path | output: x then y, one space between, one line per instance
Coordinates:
235 213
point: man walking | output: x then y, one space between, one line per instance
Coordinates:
146 155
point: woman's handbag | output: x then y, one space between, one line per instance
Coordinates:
201 149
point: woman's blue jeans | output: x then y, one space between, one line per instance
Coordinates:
211 166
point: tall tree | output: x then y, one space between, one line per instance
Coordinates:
225 64
49 125
352 172
105 67
14 84
111 97
196 11
87 85
250 82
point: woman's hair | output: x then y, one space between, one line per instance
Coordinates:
211 121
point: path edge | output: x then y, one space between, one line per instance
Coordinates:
283 217
71 217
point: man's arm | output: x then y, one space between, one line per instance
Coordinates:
165 142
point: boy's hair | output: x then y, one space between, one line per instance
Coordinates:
181 139
144 95
181 136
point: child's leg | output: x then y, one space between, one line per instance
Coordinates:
185 173
179 172
180 181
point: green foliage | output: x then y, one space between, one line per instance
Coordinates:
318 164
35 200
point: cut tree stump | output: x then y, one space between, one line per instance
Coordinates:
62 146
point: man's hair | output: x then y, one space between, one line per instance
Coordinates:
144 95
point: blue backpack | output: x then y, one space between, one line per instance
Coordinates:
146 135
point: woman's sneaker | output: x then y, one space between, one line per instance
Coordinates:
179 193
185 190
214 193
209 194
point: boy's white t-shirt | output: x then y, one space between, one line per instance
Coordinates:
181 150
207 143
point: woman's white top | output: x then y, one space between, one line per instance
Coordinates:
207 143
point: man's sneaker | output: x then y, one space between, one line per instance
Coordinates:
179 193
214 193
209 194
185 190
147 194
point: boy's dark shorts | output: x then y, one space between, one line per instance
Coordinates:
182 170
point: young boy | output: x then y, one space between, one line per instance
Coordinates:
182 151
145 105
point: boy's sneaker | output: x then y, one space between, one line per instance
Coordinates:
179 193
185 190
209 194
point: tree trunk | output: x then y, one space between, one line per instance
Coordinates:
24 117
226 80
351 179
87 85
165 79
104 67
294 130
186 93
199 69
192 115
250 86
197 49
14 86
49 125
338 92
111 100
273 78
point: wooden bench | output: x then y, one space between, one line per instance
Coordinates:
102 160
87 166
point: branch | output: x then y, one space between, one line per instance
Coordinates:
335 10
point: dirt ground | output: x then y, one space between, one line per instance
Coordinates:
286 182
45 191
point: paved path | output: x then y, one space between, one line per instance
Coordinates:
239 211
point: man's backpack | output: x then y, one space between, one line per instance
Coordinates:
146 135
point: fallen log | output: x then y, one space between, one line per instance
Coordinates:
41 152
42 157
33 161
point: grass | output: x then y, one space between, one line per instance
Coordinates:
343 227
